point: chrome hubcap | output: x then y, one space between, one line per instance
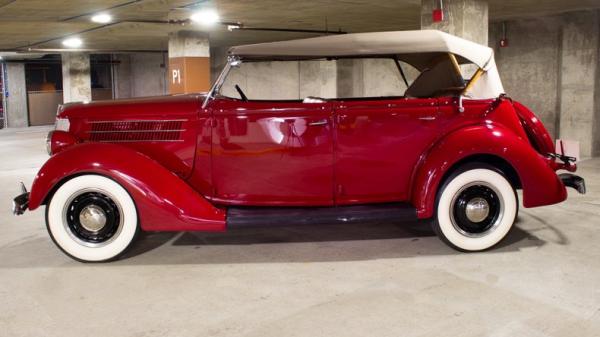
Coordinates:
92 218
477 210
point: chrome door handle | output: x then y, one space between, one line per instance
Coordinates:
319 123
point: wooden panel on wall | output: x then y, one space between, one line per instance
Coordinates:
102 94
43 106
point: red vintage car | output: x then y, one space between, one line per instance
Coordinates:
451 147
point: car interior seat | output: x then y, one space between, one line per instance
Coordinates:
440 79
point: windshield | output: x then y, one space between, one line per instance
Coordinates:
438 75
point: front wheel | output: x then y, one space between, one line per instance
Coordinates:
476 208
92 218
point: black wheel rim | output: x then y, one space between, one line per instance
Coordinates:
474 194
99 201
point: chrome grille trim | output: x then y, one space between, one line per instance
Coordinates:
136 131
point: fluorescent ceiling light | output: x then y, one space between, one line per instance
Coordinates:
206 17
73 42
102 18
233 27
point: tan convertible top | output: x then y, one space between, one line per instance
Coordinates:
417 48
370 44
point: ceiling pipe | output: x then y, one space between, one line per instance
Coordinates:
29 47
87 50
8 3
291 30
126 4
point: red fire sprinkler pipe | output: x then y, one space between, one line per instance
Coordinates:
438 11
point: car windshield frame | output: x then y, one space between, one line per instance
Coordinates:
435 58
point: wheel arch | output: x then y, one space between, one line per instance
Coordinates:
164 201
492 144
486 160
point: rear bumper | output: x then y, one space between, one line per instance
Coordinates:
574 181
20 203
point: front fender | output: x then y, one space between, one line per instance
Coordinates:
164 201
541 186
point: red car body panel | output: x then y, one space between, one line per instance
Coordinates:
163 200
272 153
184 165
489 127
378 143
539 136
174 113
541 185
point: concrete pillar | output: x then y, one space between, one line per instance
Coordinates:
318 79
77 86
579 116
350 78
17 113
465 18
189 62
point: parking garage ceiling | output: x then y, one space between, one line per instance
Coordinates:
143 24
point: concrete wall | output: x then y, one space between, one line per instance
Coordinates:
551 65
140 75
579 64
122 76
149 74
16 102
529 67
464 18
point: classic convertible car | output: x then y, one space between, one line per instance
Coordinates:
446 145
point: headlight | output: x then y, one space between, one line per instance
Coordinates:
49 143
62 124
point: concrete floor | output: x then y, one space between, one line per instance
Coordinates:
385 280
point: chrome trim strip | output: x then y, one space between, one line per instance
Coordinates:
220 80
139 141
132 131
140 120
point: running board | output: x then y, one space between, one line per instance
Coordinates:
246 217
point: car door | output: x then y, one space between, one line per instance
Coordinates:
272 153
378 144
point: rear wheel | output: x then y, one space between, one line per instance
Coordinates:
476 208
92 218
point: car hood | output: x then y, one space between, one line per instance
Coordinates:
156 107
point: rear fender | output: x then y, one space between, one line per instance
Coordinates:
541 186
164 201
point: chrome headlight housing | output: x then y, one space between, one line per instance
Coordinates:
49 143
61 124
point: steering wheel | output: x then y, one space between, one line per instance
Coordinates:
241 92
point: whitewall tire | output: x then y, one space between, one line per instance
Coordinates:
476 208
92 218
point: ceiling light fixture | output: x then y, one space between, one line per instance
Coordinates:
233 27
206 17
73 42
102 18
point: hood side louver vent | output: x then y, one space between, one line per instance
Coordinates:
136 131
